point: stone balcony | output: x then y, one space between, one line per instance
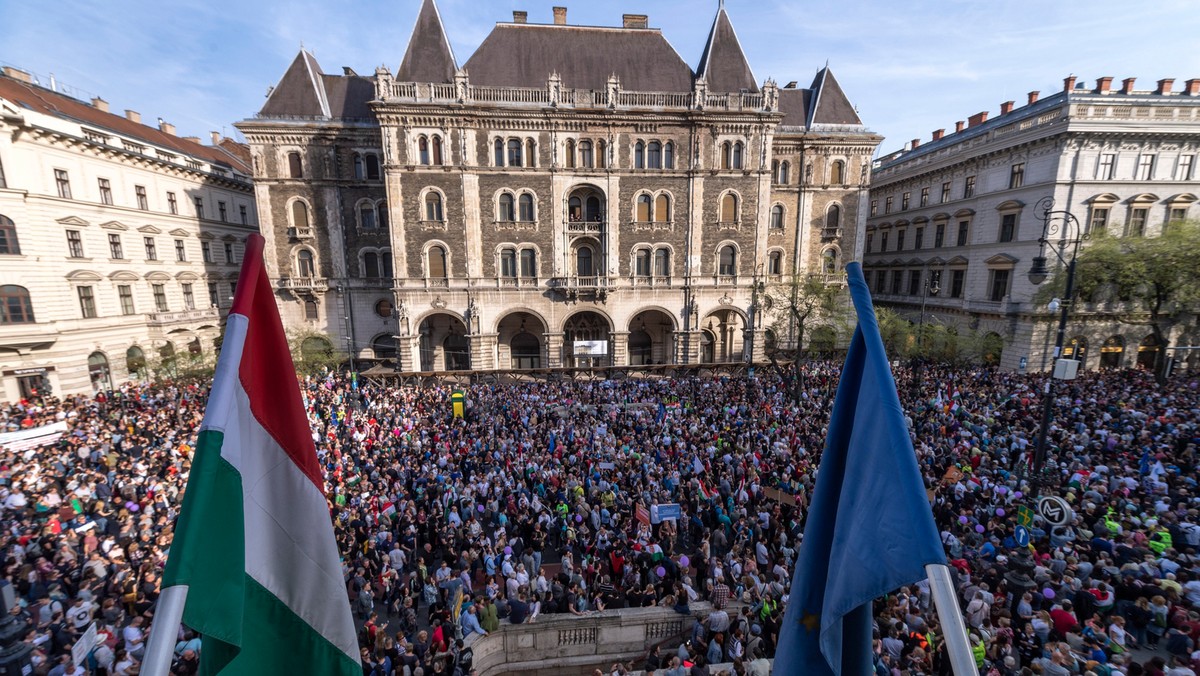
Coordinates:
317 284
165 319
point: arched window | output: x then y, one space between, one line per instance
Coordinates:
639 155
583 262
384 346
602 155
727 261
654 155
775 263
729 208
643 208
15 305
575 209
295 166
366 216
381 209
8 236
669 155
593 209
499 157
777 216
662 263
586 160
423 150
508 263
508 211
833 217
135 359
437 150
514 152
737 155
641 263
372 167
531 153
829 261
360 171
528 263
782 169
526 205
727 155
433 206
837 173
385 263
299 214
662 209
371 265
570 153
306 266
437 262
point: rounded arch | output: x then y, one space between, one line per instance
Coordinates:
1077 348
991 348
727 257
776 261
590 325
1148 349
432 202
831 260
315 348
729 206
726 326
833 216
444 345
586 201
521 310
651 338
304 261
366 214
124 276
135 359
837 172
384 346
520 338
99 371
1112 352
778 215
436 259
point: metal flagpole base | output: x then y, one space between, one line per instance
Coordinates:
954 630
160 649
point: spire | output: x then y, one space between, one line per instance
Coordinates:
300 91
723 63
830 104
429 57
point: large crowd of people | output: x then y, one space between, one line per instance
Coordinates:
540 501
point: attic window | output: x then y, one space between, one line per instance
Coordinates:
167 157
133 147
95 136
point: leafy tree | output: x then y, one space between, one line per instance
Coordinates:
313 351
792 306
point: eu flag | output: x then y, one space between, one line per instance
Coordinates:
870 529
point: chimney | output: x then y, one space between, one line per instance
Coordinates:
520 17
560 16
193 139
958 126
166 127
1033 97
977 119
17 74
216 137
100 104
1103 85
938 134
1006 107
133 116
1127 85
636 20
1193 87
1068 83
1164 86
916 142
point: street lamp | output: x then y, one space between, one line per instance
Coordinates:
755 309
1056 232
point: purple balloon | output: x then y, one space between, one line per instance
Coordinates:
508 551
660 571
963 520
1018 494
999 511
480 508
684 561
134 508
1001 489
979 528
1048 593
578 518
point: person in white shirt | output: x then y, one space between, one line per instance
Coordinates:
134 638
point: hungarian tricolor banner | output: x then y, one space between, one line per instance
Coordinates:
254 545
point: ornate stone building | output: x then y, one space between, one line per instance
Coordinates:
565 184
952 222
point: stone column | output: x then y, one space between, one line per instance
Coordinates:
410 353
619 340
554 350
483 351
688 351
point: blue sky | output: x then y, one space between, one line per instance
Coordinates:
911 66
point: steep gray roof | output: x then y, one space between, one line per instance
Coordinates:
524 55
793 103
300 90
429 57
349 95
723 64
831 106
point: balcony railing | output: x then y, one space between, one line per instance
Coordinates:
301 233
725 280
304 284
651 282
576 282
163 318
585 227
517 282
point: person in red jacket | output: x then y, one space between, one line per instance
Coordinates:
1063 619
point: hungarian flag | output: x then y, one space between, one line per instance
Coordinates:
254 545
389 509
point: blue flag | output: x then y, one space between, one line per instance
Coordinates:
870 529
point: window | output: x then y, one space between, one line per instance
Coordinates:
189 299
214 295
837 173
641 263
583 261
528 263
963 227
729 208
8 236
777 217
360 168
874 207
833 218
222 212
232 290
883 242
525 204
437 150
385 263
1099 220
1145 167
507 208
299 215
437 262
900 239
306 265
172 203
371 265
998 288
63 183
295 166
919 239
662 209
727 261
1177 214
586 157
1008 227
644 204
115 251
1016 176
366 214
669 155
1183 170
870 241
969 187
125 294
775 263
433 206
639 155
945 192
601 154
570 153
206 252
199 201
160 297
15 305
1137 222
514 153
881 281
229 253
914 282
372 166
1106 166
311 310
151 248
654 155
423 150
897 280
780 172
143 202
105 191
737 155
956 283
727 155
887 205
662 263
243 214
530 153
87 302
904 199
924 197
498 157
939 235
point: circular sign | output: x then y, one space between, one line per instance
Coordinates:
1022 536
1054 510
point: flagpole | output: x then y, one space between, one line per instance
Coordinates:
164 631
954 631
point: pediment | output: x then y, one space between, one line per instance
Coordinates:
114 225
73 220
150 230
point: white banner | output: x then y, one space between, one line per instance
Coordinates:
22 440
591 348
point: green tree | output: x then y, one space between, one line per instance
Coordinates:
791 306
313 351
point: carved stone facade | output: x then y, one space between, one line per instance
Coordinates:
479 217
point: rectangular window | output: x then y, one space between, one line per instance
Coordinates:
115 250
222 212
214 295
199 201
880 281
105 191
935 282
63 183
245 216
998 286
232 290
142 201
1145 167
172 203
229 253
897 280
945 192
939 235
180 251
900 240
914 283
963 227
883 238
1106 167
870 240
887 205
189 300
874 207
924 197
1099 220
160 297
1183 170
904 201
1016 176
151 249
919 239
206 252
1177 214
969 187
125 293
87 302
1008 227
311 310
74 244
956 283
1137 222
